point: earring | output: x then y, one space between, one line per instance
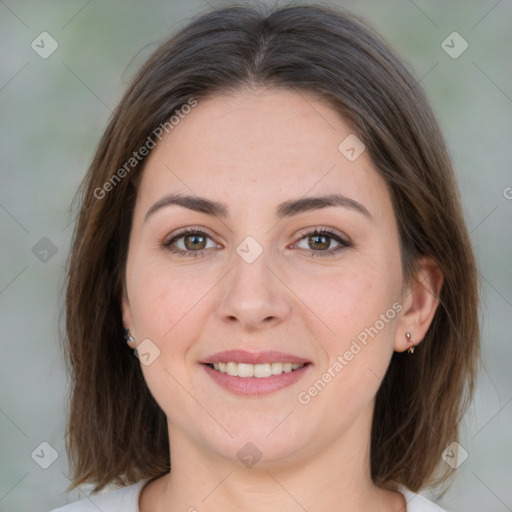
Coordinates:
128 337
410 350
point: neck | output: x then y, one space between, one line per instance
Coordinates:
336 478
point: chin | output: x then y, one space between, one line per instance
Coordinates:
267 442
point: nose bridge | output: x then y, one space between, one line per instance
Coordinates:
253 295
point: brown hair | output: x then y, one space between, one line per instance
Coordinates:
116 431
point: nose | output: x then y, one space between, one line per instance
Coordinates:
253 295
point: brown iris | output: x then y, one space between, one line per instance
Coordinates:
195 241
323 243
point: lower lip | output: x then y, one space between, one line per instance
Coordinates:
254 386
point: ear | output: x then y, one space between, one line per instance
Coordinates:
126 313
420 302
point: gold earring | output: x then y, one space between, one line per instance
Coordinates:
410 350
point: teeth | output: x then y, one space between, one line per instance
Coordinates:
262 370
231 369
255 370
276 368
245 370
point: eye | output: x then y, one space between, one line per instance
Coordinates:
189 242
194 242
319 242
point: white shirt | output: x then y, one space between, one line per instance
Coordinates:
126 499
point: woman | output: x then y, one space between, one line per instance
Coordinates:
272 226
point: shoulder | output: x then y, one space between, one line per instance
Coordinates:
418 503
125 499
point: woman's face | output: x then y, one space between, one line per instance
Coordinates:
252 171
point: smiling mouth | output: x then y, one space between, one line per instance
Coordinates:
260 370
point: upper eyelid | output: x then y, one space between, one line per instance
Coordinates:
188 231
321 229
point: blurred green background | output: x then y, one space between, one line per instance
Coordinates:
53 111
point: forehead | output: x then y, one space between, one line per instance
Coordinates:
266 146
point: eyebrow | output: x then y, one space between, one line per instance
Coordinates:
285 209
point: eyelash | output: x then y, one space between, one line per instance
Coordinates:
199 253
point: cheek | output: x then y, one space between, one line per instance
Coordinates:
358 308
164 298
167 307
350 299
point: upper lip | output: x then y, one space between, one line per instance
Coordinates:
242 356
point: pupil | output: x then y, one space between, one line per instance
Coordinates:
324 243
195 243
